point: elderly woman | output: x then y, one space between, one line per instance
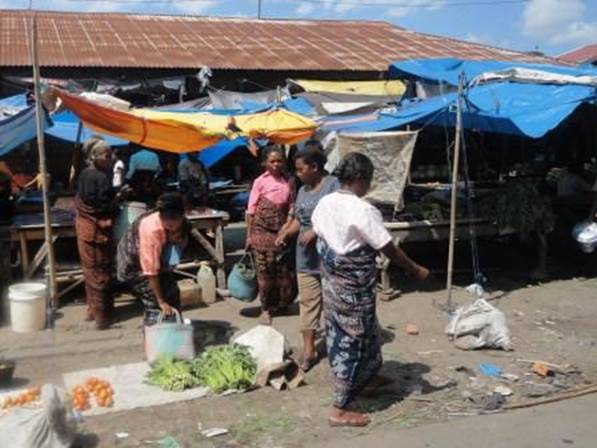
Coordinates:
95 211
147 252
350 234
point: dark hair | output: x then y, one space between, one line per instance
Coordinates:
170 205
314 143
270 149
312 155
354 167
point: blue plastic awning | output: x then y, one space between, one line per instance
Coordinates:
17 123
212 155
66 125
448 69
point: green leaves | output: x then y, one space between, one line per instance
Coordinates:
171 375
225 367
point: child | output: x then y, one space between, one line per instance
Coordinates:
268 211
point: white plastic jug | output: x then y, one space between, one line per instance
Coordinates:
27 307
207 280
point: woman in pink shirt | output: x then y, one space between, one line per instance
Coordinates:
145 256
269 208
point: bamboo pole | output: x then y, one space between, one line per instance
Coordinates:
455 166
40 117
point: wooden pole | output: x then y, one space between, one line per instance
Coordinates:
455 166
77 159
40 117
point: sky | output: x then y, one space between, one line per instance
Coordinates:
550 26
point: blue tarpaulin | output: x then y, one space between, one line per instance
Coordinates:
17 123
212 155
448 69
524 109
66 125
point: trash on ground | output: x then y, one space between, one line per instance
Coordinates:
542 369
412 329
122 435
479 325
510 377
490 370
503 390
465 370
169 442
214 432
493 402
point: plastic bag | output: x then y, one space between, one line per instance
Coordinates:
479 325
242 281
585 233
51 426
172 339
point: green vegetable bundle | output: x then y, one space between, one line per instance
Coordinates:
168 374
521 206
225 367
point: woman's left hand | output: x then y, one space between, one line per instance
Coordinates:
281 239
307 237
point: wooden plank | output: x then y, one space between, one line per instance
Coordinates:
39 258
24 254
221 272
204 242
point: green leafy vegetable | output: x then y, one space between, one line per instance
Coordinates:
171 375
225 367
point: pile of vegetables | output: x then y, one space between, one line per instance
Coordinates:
220 368
225 367
521 206
169 374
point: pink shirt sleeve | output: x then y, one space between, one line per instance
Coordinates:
152 238
254 196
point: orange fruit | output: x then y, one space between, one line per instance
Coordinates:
108 402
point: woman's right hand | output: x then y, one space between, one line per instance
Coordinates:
422 273
166 309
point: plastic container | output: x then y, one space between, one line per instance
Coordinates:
27 307
207 281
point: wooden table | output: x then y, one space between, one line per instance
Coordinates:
425 231
32 229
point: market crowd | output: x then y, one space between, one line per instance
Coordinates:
309 232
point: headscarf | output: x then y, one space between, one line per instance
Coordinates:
95 148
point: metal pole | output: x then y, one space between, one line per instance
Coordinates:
40 117
453 199
259 9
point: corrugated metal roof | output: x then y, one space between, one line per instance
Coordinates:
586 54
141 41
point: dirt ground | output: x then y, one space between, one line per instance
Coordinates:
435 381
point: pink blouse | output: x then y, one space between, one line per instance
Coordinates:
275 189
152 238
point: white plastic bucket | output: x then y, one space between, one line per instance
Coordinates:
27 307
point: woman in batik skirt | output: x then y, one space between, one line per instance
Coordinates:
350 234
268 213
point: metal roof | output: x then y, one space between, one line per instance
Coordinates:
143 41
582 55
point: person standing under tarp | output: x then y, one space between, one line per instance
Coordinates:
146 254
193 179
144 166
95 212
350 234
268 211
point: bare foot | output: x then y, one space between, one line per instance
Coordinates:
265 318
341 417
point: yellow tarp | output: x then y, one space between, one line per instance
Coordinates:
181 132
388 88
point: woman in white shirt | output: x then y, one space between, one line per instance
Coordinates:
350 234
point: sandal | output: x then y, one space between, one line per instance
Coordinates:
265 318
350 420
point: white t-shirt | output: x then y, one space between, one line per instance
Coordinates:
118 174
346 222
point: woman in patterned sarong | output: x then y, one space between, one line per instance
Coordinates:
351 233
